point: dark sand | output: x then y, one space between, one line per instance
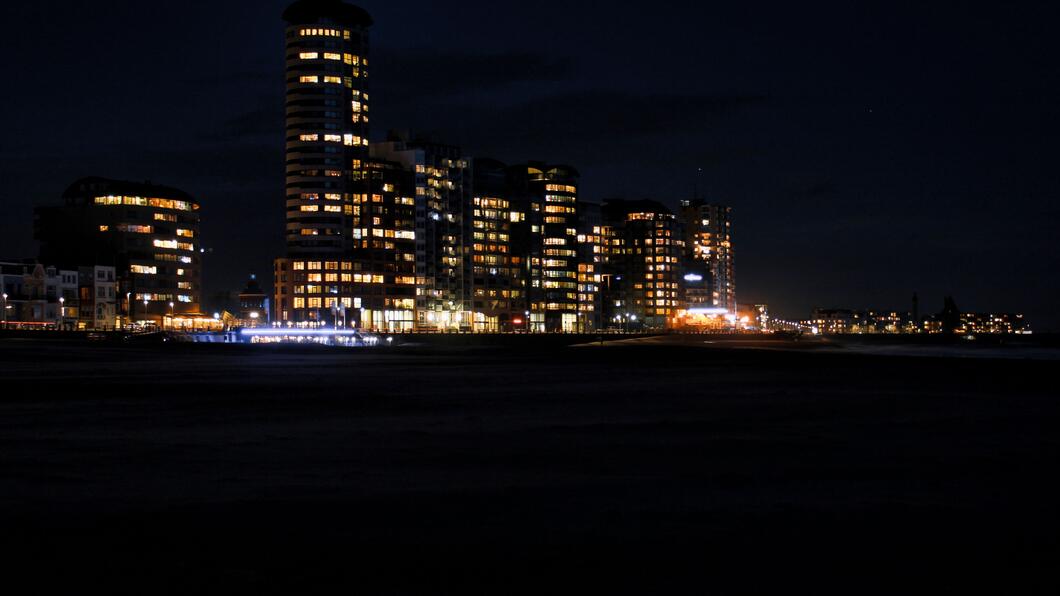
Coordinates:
645 468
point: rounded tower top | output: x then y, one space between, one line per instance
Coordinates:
305 12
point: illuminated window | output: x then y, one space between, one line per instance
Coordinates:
333 80
309 138
135 229
185 233
332 56
309 55
309 79
144 269
104 228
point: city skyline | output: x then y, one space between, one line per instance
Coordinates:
805 240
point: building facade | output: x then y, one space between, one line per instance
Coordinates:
545 199
148 234
498 275
643 264
709 256
351 218
98 298
327 117
443 228
37 296
373 284
253 305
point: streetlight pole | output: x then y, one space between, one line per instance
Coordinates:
62 312
171 314
5 310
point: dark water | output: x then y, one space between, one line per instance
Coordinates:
638 469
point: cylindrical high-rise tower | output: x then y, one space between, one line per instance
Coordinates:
327 123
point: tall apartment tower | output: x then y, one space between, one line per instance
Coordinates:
443 228
327 123
643 264
546 198
709 256
351 219
497 273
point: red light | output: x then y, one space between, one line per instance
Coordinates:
517 321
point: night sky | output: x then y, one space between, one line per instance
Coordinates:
868 151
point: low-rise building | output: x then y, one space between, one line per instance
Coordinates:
253 305
36 296
98 299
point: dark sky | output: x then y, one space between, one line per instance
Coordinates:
869 150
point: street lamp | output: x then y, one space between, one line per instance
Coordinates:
62 311
5 310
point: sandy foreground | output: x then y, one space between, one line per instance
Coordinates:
630 468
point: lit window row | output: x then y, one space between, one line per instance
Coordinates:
324 33
174 245
112 200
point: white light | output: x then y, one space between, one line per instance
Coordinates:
217 316
693 277
707 311
297 332
254 315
